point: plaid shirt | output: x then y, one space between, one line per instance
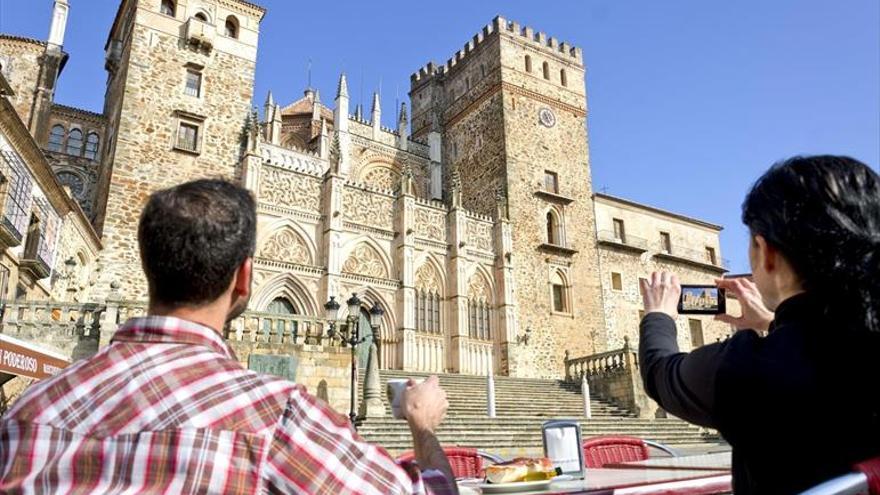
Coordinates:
167 408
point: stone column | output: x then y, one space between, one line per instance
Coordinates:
457 283
504 278
331 239
404 248
371 404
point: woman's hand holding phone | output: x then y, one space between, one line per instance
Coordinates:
661 293
755 315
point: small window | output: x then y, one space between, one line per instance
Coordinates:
167 7
193 83
552 229
558 292
665 242
483 70
56 138
546 71
75 142
231 27
92 143
696 327
202 17
551 182
528 63
562 78
616 281
188 137
619 231
467 82
710 255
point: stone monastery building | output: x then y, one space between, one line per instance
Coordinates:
473 223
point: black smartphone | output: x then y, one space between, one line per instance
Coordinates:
702 300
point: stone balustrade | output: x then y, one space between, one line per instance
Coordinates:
615 376
478 357
429 352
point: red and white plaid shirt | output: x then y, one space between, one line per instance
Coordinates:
167 408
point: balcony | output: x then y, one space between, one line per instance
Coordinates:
557 249
553 197
694 257
200 34
9 234
35 266
624 241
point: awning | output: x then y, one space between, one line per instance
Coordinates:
21 358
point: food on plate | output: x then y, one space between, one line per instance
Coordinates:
521 469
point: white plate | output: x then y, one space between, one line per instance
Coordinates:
520 486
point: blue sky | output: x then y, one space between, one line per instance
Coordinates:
690 101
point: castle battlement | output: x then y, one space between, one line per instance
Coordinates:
537 39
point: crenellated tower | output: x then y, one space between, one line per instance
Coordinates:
507 113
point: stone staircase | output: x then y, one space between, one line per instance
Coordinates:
522 406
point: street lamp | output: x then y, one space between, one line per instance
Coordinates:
350 337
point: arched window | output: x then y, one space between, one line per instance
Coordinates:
427 311
562 78
202 17
92 142
559 293
75 142
546 70
167 7
554 229
56 138
479 319
528 63
231 27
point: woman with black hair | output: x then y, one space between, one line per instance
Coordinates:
801 404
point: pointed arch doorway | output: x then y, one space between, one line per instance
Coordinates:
365 331
281 306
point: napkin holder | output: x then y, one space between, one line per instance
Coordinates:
563 446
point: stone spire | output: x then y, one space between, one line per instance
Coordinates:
402 130
316 106
376 115
341 138
340 113
268 115
59 23
342 88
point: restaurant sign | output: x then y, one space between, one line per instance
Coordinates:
21 358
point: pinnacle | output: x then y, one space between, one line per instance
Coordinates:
376 105
342 89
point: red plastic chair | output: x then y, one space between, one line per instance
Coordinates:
465 462
600 451
865 479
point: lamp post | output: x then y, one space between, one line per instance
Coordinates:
351 337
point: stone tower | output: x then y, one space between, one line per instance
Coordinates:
179 92
508 115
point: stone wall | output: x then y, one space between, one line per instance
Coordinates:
20 60
324 371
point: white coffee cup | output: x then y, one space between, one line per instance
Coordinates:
394 392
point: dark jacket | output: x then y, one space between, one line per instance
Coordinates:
798 406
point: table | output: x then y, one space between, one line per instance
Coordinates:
609 481
710 462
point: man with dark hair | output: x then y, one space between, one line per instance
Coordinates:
167 407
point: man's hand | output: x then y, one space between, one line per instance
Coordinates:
661 293
755 315
424 405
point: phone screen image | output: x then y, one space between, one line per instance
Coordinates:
701 299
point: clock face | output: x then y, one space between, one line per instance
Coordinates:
73 181
547 117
